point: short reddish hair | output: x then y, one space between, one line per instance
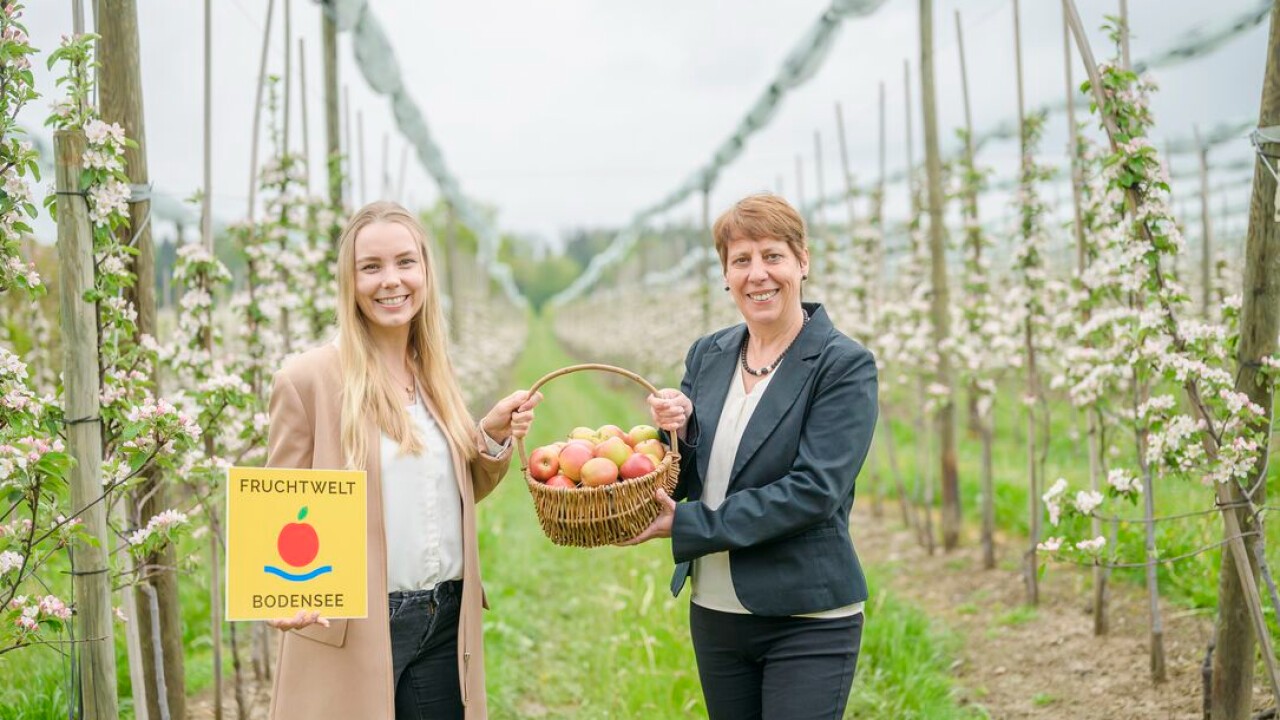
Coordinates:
757 217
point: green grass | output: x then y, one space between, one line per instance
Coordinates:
596 634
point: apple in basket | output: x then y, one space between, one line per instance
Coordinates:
544 463
616 449
604 432
583 433
560 481
638 465
599 471
653 448
640 433
573 456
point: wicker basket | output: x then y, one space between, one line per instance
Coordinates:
595 516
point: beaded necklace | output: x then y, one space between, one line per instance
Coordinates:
773 365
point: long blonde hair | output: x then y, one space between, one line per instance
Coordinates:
368 392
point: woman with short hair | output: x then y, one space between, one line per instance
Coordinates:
774 418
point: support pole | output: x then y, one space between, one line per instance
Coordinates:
332 129
121 101
1206 232
944 417
92 580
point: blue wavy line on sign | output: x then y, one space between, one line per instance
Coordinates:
297 578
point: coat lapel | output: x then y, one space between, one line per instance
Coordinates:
783 390
717 368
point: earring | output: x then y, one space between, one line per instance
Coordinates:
726 288
804 277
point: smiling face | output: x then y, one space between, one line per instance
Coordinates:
390 276
764 276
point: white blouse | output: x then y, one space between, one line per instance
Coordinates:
712 582
422 509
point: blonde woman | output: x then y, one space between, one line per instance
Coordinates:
383 398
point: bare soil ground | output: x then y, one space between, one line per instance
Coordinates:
1016 662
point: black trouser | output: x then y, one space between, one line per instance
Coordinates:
424 652
775 668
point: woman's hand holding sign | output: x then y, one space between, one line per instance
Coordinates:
299 621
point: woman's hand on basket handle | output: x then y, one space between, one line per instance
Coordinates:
670 410
512 415
299 621
661 525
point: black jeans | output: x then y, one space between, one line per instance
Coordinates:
424 652
774 668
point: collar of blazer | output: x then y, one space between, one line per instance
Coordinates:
719 367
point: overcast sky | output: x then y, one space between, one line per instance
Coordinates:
572 113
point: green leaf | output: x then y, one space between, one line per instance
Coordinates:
302 514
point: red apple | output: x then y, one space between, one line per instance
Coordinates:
543 463
640 433
599 471
298 543
607 431
560 481
638 465
572 458
616 449
653 448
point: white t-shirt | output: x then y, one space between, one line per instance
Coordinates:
422 509
712 582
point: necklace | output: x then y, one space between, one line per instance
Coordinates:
773 365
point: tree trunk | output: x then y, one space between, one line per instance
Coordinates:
944 418
92 580
120 91
1233 661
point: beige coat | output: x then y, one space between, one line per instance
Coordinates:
344 671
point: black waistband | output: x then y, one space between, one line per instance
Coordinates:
448 588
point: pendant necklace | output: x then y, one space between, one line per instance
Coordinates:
773 365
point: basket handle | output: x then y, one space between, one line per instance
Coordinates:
524 459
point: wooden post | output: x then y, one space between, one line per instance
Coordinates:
404 168
92 580
206 237
120 94
705 266
924 478
800 204
257 120
332 130
819 229
1206 232
302 110
348 149
974 233
385 189
288 76
364 192
944 417
1031 570
452 281
1237 623
1101 574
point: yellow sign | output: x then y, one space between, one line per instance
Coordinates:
296 540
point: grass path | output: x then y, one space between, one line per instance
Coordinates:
596 634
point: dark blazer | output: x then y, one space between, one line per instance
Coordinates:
785 517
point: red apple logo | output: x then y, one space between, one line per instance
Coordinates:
298 543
